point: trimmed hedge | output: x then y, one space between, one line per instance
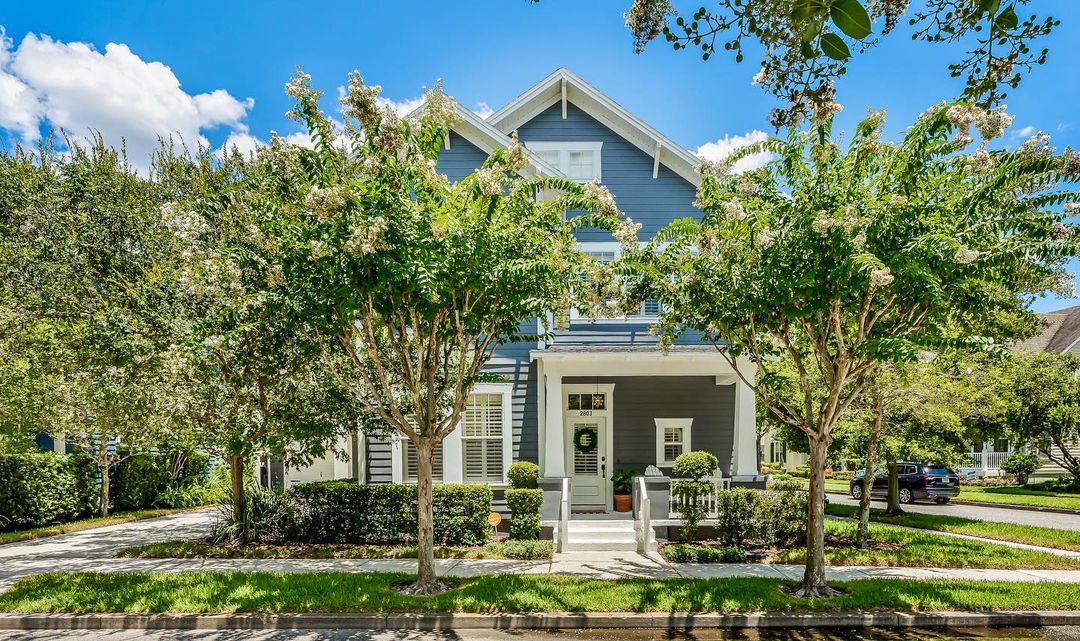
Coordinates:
380 514
145 480
524 513
39 489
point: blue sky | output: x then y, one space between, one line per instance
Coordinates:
214 70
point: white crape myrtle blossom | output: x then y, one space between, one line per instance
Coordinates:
980 161
823 222
187 225
965 255
881 277
326 203
765 238
990 123
489 179
712 168
733 210
627 233
1072 208
1038 146
859 241
825 110
603 197
368 237
898 201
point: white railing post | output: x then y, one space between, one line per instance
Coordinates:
644 517
564 514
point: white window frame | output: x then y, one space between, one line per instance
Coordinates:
504 390
564 148
777 447
615 249
665 423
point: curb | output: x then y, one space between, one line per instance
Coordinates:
539 621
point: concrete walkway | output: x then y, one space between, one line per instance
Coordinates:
93 550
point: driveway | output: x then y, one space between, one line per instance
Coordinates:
978 512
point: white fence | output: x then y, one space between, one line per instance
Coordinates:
708 500
987 460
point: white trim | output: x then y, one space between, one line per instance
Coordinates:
565 148
661 425
397 458
590 100
506 390
656 160
606 415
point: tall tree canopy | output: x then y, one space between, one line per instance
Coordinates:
416 279
844 259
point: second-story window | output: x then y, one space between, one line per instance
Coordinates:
578 161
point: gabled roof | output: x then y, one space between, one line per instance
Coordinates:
487 138
563 84
1061 330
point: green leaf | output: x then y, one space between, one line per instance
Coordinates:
850 17
1006 20
806 9
988 6
807 50
833 46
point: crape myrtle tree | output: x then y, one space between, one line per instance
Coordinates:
806 45
1045 391
846 259
417 279
249 376
80 277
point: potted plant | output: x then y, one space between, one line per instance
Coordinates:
622 482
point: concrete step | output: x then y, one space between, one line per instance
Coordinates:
602 534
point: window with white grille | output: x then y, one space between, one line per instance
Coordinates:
777 452
483 430
577 160
672 439
410 463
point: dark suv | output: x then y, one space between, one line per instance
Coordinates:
916 481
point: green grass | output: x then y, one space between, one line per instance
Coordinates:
1030 534
84 524
342 592
1021 496
926 549
179 549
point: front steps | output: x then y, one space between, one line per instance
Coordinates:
590 534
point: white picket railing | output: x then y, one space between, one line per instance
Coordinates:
644 524
564 515
987 460
708 500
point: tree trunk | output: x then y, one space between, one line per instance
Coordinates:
813 583
103 467
758 450
862 534
893 506
239 499
426 582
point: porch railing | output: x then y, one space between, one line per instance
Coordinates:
988 460
644 524
707 500
564 515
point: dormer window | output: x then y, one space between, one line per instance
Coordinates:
579 161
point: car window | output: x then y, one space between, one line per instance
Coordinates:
938 471
908 469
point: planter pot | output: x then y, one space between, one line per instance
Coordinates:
622 502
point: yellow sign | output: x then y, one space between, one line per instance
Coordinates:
494 519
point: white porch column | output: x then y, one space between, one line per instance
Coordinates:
453 466
744 455
541 413
554 435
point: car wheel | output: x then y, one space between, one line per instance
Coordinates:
906 496
942 500
856 491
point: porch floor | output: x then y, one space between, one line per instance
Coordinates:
610 515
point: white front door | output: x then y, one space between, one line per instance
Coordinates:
588 463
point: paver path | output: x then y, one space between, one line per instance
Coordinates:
980 513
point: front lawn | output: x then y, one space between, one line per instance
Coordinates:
1020 496
343 592
1029 534
522 550
84 524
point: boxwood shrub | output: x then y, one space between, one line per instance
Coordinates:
380 514
39 489
524 513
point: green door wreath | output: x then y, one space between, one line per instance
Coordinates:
585 439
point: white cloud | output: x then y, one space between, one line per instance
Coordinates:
75 87
402 107
723 147
246 143
1025 132
483 110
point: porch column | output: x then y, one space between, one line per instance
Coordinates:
744 454
554 435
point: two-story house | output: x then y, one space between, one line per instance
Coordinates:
597 381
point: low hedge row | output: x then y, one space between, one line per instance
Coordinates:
347 512
39 489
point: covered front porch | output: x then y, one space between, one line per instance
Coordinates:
637 408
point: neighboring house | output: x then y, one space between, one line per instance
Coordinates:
602 381
775 453
1060 335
